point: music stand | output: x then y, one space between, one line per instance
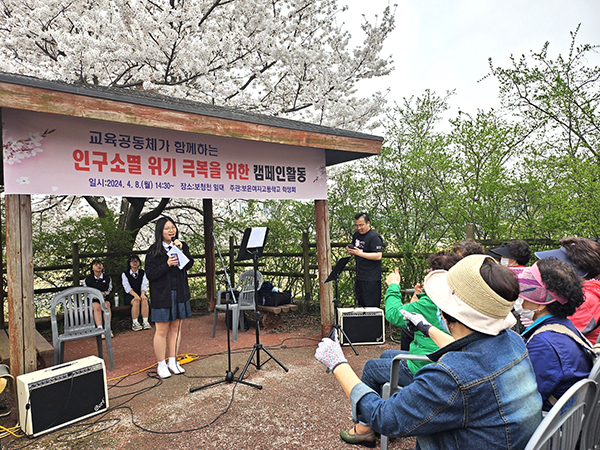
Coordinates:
229 374
334 276
253 243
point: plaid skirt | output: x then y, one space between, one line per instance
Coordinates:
175 312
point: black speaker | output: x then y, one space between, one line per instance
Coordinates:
362 325
58 396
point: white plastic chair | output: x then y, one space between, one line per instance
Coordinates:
392 387
560 429
244 302
78 321
590 432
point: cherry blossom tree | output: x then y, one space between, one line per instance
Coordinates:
286 58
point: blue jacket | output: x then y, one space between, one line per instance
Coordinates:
558 361
479 393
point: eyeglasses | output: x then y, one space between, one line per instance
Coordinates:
170 229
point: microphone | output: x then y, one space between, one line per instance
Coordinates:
176 242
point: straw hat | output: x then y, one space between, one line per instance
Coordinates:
462 293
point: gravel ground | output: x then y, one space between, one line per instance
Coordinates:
299 409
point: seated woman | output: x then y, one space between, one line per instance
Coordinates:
550 292
377 371
585 254
472 392
514 254
101 281
135 285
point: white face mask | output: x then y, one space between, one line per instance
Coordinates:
504 261
525 313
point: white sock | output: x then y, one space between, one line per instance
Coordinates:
135 321
100 326
145 319
162 363
172 361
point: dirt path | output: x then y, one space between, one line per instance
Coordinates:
299 409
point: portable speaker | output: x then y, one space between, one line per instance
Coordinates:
362 325
58 396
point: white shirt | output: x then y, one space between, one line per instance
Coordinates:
127 286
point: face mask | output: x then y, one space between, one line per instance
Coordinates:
442 321
524 313
504 261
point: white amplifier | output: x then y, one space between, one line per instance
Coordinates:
52 398
362 325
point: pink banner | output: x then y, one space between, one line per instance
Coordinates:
53 154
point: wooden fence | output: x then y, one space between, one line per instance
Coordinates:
308 267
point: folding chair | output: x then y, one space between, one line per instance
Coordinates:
78 321
561 427
245 301
392 387
590 432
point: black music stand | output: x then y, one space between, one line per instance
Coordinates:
229 374
334 276
252 246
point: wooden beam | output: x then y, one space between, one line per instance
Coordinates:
80 105
209 249
324 266
19 274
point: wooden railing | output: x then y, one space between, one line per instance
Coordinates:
306 268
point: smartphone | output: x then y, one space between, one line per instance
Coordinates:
351 246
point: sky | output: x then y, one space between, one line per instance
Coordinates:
445 44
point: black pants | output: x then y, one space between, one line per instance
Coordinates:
368 293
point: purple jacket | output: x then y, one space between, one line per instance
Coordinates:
558 361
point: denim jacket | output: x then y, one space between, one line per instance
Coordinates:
479 393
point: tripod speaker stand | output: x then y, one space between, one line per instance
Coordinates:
334 276
252 246
229 374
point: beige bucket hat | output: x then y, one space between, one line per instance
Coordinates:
462 293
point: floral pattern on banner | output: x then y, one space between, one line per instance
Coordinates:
17 150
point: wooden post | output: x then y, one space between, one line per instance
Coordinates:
209 250
75 257
324 266
19 275
231 261
470 230
306 266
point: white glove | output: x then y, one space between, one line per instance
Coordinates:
329 352
416 321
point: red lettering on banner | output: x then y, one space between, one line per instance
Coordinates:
237 171
156 166
134 164
118 165
100 159
215 170
80 157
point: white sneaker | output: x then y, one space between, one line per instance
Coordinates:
136 326
163 371
147 326
176 368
